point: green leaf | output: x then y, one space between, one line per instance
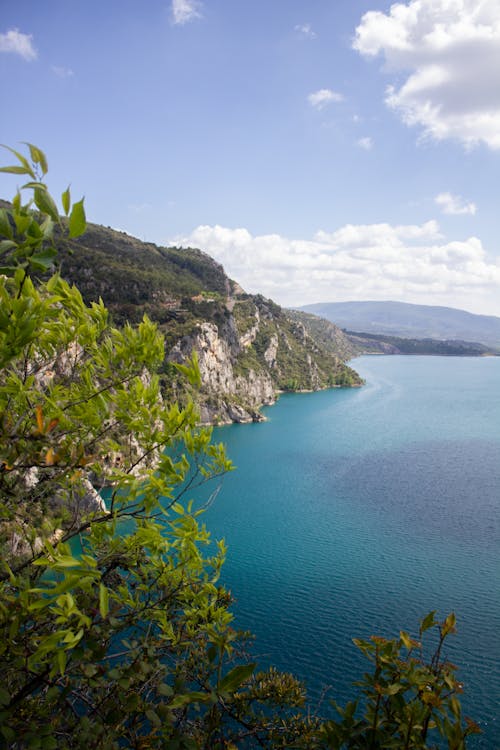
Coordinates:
23 221
406 640
5 227
66 200
164 689
61 661
428 621
195 697
43 261
38 157
77 221
22 159
396 687
236 677
17 170
7 245
103 600
153 717
45 203
449 624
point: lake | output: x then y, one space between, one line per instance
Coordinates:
355 512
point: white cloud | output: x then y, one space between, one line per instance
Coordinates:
454 204
412 263
449 53
18 43
323 97
305 29
366 143
184 11
62 72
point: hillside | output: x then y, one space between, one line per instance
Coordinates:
248 347
378 343
411 321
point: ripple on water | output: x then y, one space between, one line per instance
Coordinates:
357 512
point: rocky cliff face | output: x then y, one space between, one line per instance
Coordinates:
248 347
255 350
226 397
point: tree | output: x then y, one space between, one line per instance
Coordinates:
127 639
114 629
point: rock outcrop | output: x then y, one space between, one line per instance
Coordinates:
248 347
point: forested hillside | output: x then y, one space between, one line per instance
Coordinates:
248 347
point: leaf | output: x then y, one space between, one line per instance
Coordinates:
103 600
39 418
22 159
44 260
195 697
236 677
7 245
66 200
393 689
23 221
428 621
5 227
77 221
406 640
51 457
61 661
45 203
17 170
52 424
164 689
37 156
449 624
153 717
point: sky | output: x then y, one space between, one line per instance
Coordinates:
321 150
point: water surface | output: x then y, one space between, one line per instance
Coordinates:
356 511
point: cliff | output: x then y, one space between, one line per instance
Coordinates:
248 347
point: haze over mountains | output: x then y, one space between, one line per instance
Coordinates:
410 321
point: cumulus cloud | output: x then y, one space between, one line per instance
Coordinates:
448 52
454 205
412 263
184 11
365 143
18 43
305 29
323 97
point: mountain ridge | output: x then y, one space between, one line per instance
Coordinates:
408 320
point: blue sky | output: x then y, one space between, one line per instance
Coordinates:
322 151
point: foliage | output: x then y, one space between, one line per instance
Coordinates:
114 629
122 637
409 702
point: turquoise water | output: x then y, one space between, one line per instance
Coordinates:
356 511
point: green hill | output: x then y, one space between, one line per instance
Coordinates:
248 347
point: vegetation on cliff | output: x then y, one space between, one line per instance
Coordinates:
260 347
124 638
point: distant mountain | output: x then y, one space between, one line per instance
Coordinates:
411 321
